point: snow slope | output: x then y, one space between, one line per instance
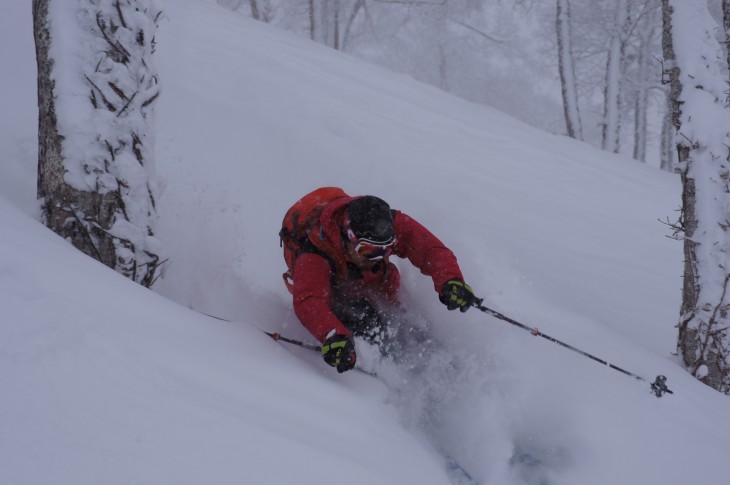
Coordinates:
105 382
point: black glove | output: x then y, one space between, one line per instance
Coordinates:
339 351
457 294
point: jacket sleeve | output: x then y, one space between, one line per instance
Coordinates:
312 293
424 250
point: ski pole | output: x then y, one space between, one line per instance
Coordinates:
658 387
278 337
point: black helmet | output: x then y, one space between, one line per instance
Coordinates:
370 218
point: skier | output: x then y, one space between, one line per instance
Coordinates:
340 275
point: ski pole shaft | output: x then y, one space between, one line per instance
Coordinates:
658 387
534 331
277 336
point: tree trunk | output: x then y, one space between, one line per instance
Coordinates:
336 29
696 92
726 28
359 4
567 71
95 184
612 93
312 25
255 12
50 160
641 129
64 207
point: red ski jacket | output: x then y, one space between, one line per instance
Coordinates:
325 272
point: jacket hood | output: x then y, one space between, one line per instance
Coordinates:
332 218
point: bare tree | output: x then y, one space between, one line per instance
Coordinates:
96 90
327 30
255 12
566 68
359 5
336 24
697 92
614 67
647 27
312 24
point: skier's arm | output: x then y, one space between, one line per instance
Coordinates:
312 294
425 251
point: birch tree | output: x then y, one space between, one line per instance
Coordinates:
612 94
566 68
96 91
694 61
324 22
646 27
255 13
356 8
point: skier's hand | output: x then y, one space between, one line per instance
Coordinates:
339 351
457 294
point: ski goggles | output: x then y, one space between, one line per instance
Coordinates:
367 248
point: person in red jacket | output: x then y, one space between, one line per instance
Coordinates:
343 279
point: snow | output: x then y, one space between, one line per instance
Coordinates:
106 382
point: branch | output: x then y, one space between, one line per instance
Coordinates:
149 101
136 143
121 15
677 227
85 232
124 108
116 47
108 103
116 89
719 304
481 33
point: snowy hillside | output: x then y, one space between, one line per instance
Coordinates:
105 382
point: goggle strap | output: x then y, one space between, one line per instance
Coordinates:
387 243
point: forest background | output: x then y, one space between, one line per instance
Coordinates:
505 54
